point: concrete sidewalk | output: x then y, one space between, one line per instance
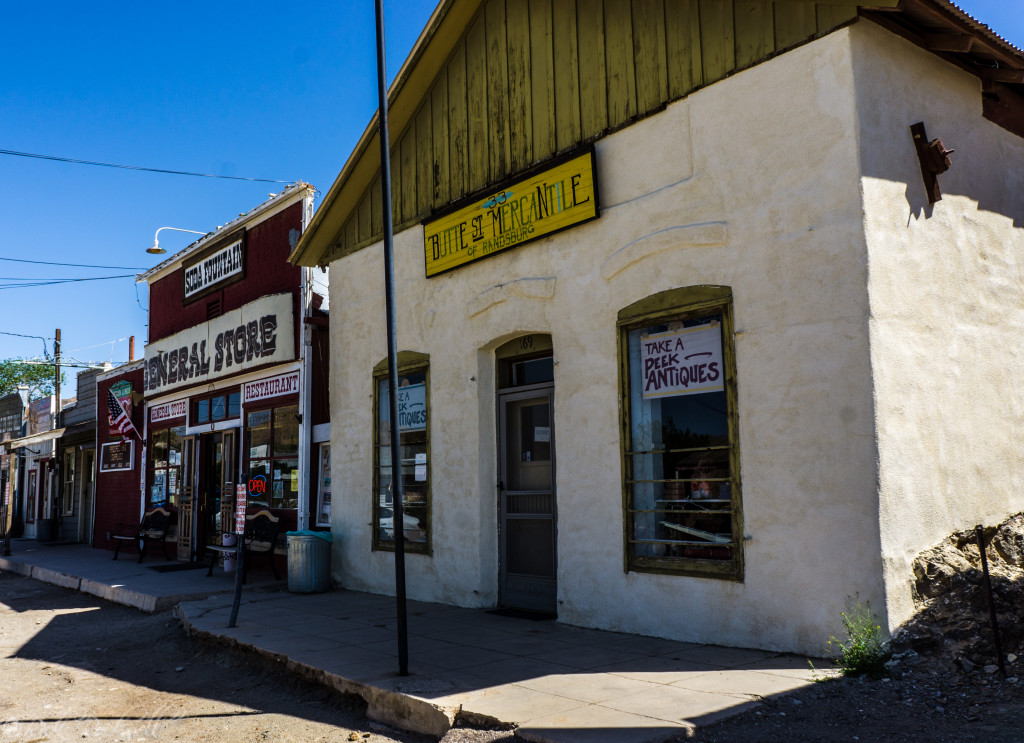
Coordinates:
554 682
123 581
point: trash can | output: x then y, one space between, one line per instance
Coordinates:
309 561
229 540
47 530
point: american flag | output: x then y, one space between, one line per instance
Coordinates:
119 418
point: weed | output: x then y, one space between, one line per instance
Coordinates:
865 650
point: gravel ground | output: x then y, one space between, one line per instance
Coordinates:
87 669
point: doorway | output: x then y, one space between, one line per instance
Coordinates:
85 517
216 486
210 490
526 486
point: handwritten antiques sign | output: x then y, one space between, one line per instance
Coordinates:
116 457
282 384
412 407
256 334
559 197
683 362
215 269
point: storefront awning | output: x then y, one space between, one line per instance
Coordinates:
36 438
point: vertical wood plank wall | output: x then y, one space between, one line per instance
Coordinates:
531 78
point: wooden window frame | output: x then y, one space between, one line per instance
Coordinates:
151 468
681 304
408 362
271 405
210 397
68 487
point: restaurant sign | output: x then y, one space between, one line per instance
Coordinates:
561 196
283 384
254 335
215 269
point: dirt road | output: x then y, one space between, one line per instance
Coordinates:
74 667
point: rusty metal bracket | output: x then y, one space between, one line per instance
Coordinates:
934 159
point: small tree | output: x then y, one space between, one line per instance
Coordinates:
38 377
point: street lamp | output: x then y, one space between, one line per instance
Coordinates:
156 249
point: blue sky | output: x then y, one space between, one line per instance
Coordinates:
255 89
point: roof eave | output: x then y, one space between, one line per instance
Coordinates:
428 55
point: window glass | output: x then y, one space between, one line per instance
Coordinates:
412 466
273 437
234 404
533 371
286 431
218 408
166 472
160 448
680 478
203 411
258 434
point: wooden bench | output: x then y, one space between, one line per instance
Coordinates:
152 528
260 537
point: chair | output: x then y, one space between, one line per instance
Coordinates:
152 528
260 537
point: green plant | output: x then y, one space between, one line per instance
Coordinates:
865 650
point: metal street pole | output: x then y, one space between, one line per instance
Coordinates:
56 491
397 491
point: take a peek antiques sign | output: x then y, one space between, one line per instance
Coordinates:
687 361
561 196
215 269
256 334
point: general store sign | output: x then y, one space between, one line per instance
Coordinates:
256 334
683 362
168 410
560 197
283 384
214 269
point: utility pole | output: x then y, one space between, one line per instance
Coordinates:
55 512
397 489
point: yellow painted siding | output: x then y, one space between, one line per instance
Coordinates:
531 78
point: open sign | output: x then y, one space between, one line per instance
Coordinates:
257 485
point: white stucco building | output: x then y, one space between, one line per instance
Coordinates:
862 388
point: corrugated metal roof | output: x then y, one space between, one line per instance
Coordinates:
977 25
290 192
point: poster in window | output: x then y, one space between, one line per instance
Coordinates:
116 457
412 407
323 496
687 361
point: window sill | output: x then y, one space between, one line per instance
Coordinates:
715 569
409 548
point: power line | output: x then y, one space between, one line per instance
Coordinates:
73 265
48 282
135 167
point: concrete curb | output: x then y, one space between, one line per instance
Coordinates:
394 708
113 593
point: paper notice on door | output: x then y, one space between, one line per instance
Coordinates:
542 434
420 473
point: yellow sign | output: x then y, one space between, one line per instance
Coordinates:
560 197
